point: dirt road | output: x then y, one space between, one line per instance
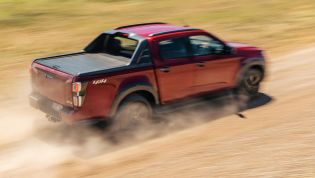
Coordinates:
276 139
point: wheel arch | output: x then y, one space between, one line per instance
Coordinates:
146 91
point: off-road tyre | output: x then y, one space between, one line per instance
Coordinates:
133 112
250 83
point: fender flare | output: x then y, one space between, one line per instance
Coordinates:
247 64
123 93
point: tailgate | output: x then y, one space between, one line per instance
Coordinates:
53 84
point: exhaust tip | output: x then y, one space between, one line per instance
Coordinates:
53 118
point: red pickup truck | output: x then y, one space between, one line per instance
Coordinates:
125 73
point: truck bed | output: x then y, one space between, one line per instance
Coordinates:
80 63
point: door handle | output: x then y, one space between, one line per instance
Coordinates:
165 69
201 64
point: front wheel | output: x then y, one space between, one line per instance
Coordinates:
250 83
133 112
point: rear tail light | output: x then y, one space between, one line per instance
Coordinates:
78 93
76 87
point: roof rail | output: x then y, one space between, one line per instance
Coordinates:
172 31
140 24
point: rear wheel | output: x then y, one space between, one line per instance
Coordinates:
250 83
133 112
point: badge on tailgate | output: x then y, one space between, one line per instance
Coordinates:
96 82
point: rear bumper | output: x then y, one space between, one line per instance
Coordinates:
58 112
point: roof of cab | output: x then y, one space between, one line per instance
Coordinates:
148 29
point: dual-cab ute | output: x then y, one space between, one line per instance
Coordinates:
125 73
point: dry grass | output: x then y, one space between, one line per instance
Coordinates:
32 29
36 28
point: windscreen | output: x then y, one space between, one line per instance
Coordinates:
113 44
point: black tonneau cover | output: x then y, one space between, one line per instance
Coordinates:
81 63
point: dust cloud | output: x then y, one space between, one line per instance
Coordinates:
35 147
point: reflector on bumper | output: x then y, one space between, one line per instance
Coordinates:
77 101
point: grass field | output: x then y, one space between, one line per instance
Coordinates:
35 28
31 29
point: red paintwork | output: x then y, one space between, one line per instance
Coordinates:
58 88
184 79
99 103
146 30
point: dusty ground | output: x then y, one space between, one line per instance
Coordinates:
275 139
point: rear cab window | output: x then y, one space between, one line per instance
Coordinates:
114 44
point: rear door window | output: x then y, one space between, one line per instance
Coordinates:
174 48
